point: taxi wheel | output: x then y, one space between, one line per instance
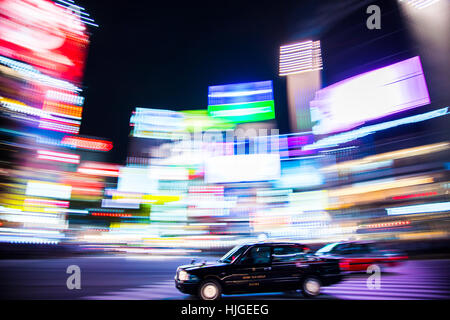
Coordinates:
311 287
210 290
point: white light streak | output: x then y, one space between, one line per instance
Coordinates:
421 208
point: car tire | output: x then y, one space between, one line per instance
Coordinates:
311 286
210 289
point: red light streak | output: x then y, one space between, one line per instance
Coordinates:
102 214
88 143
409 196
99 169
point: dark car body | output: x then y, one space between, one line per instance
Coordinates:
358 256
277 267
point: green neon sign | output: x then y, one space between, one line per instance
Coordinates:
244 112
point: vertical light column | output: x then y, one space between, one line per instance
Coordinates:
301 64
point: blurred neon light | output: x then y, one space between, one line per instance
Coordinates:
421 208
77 11
62 109
48 36
48 190
301 177
48 141
59 127
46 203
372 95
238 93
388 224
373 162
341 138
99 169
136 179
417 195
168 173
99 172
18 106
242 102
32 231
103 214
61 120
300 57
377 185
28 71
219 190
157 123
33 240
240 168
65 97
43 220
58 156
242 110
109 203
60 210
157 119
87 143
420 4
199 120
70 5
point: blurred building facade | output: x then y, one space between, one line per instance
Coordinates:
45 189
367 157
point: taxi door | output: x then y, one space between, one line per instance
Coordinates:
251 272
287 267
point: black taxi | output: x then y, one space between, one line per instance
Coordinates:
259 267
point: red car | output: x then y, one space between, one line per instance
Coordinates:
358 256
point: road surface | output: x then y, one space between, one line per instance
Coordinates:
151 278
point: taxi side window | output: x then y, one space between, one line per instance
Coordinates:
257 255
343 249
353 249
286 254
361 248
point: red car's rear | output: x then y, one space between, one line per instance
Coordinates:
358 256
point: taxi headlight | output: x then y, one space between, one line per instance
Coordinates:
183 275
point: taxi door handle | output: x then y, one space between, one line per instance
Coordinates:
267 268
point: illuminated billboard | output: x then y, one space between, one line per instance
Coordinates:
157 123
368 96
242 168
46 35
199 120
300 173
242 102
136 180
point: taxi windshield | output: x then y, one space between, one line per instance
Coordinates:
327 248
233 254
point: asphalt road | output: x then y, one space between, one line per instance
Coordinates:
144 277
